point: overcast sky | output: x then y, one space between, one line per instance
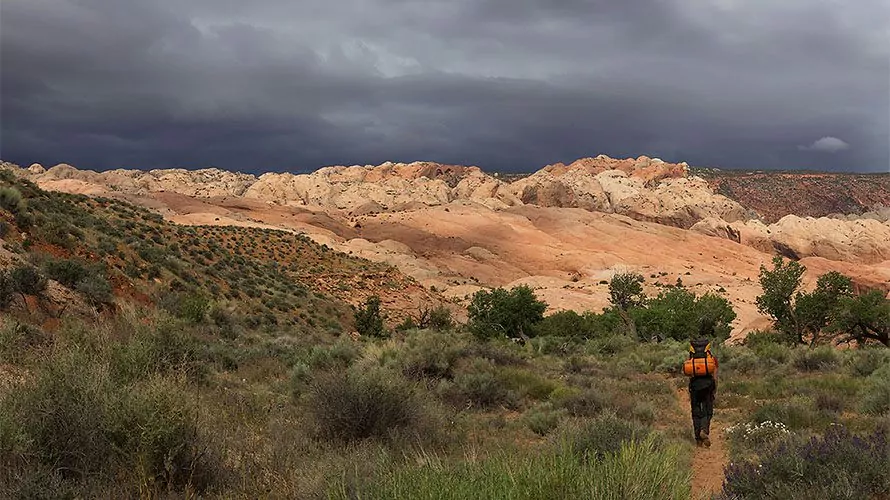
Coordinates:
275 85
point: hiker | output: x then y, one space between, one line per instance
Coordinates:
701 368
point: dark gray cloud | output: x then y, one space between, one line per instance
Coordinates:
503 84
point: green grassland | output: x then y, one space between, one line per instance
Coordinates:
217 366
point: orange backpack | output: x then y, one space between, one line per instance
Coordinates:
701 362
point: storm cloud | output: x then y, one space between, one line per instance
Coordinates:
274 85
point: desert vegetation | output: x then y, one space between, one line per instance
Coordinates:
143 359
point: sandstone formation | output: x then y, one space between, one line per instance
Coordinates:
859 241
864 241
563 230
642 188
198 183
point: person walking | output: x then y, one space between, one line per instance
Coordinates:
701 368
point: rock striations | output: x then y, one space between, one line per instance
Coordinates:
645 189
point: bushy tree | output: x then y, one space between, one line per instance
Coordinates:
26 280
864 318
817 310
440 318
368 321
7 289
777 300
65 271
677 313
95 289
500 312
626 293
800 315
578 326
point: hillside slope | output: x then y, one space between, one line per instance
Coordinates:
277 278
454 229
774 195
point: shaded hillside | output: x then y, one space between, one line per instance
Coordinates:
275 278
774 195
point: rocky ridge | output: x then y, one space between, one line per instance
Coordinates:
644 189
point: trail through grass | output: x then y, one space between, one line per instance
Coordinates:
708 464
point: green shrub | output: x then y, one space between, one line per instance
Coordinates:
626 291
59 233
16 338
604 435
191 307
74 420
300 377
65 271
429 356
829 403
483 388
820 358
503 313
27 280
167 449
611 345
677 312
11 199
527 383
775 353
876 393
7 289
368 321
578 402
567 324
863 362
743 361
761 337
339 355
64 415
836 465
643 412
161 348
440 319
95 289
796 413
354 406
543 419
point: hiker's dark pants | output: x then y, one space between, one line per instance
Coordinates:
702 397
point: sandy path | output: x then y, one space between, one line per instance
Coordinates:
707 463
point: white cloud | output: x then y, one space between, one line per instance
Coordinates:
826 145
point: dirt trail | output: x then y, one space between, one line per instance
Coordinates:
707 463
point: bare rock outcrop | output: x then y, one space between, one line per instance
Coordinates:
644 189
718 228
388 185
865 241
202 183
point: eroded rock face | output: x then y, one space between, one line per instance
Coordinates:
644 189
202 183
389 185
865 241
719 228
